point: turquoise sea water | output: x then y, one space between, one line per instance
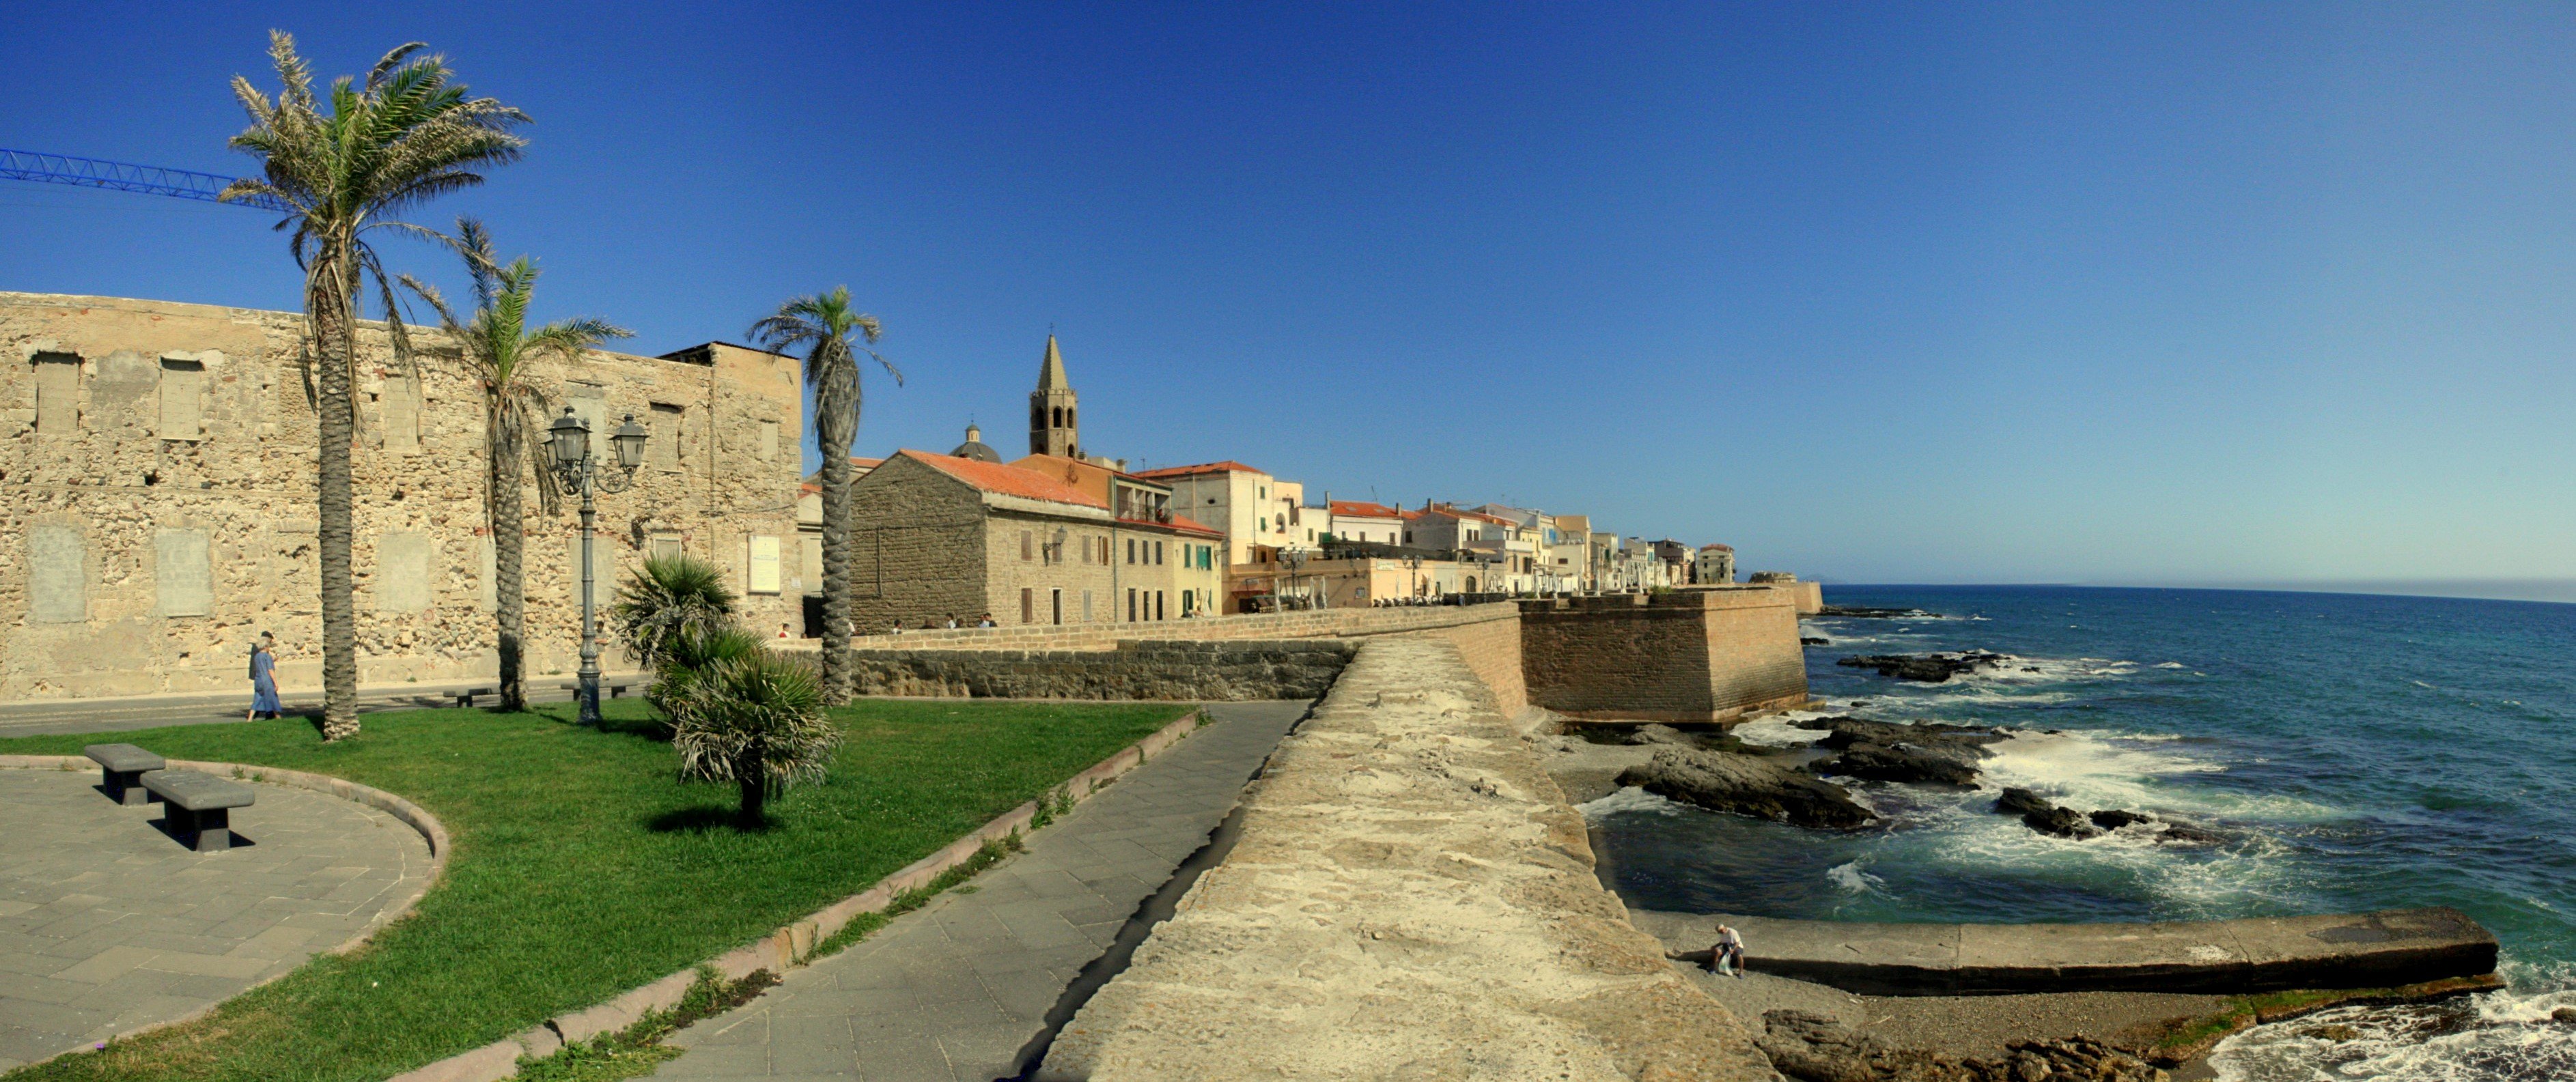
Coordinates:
2361 752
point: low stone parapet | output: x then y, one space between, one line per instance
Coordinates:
1215 671
2333 951
1710 654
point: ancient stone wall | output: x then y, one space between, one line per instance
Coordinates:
1701 655
157 498
1410 897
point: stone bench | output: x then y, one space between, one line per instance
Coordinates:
198 806
616 688
121 767
466 698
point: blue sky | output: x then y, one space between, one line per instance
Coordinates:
2127 293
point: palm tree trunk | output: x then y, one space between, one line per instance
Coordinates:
836 560
755 797
509 601
335 334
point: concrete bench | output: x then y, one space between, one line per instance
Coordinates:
198 807
466 698
121 767
616 689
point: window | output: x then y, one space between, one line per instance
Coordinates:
1028 604
1131 604
1261 523
1056 598
1086 603
1131 550
57 393
1028 545
1158 604
183 392
667 547
664 433
1158 554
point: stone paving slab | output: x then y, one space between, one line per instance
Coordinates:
108 925
952 992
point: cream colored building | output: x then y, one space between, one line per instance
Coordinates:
157 498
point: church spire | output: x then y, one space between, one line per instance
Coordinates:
1051 371
1052 424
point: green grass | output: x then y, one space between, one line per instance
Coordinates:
582 868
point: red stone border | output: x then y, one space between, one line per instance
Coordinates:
787 947
412 815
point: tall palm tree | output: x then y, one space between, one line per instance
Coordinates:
824 326
498 349
407 135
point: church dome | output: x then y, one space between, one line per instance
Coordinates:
974 447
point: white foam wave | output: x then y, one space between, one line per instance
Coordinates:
2171 665
1628 799
2497 1035
1851 879
2036 670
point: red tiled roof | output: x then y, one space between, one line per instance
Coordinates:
1362 509
1004 480
1227 466
1177 525
1720 548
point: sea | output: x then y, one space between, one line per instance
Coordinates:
2358 752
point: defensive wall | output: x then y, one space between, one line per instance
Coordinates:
1703 655
157 497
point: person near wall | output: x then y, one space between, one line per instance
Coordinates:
263 678
782 632
1729 955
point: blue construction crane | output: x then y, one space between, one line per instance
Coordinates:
119 176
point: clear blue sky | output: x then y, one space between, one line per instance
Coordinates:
2120 293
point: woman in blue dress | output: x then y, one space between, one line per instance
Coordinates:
263 678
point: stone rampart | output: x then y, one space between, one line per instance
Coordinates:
1410 897
1712 654
1212 671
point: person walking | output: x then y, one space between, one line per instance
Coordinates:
1730 952
263 678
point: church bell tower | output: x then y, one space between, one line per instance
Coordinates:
1051 420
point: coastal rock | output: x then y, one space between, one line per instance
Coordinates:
2564 1014
2114 818
1746 785
2187 834
1926 668
1904 762
1843 732
1860 612
2040 815
1806 640
1814 1048
1660 734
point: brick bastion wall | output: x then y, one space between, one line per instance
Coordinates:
1711 654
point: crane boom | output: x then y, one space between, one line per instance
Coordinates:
123 177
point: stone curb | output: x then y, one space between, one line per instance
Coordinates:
787 947
412 815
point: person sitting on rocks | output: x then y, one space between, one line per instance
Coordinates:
1728 957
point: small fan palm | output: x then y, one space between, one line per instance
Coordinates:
832 334
498 350
668 601
746 716
408 134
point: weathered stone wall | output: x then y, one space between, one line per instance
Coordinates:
917 546
1182 671
1705 655
157 497
1410 897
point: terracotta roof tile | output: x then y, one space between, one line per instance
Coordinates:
1227 466
1363 509
1003 480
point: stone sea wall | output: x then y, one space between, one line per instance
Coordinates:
1410 896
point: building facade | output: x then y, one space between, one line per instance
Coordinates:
157 498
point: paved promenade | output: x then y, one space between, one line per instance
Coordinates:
957 990
106 924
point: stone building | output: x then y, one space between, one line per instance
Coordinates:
157 498
1714 565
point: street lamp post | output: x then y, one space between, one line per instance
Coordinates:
575 467
1295 558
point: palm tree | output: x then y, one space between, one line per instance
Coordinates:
748 716
663 609
408 135
498 348
823 325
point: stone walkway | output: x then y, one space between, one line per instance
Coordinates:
955 991
106 924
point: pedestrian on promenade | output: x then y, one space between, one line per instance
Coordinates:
952 621
1729 957
782 632
263 677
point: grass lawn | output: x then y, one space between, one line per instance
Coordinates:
582 868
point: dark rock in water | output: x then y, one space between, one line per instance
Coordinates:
2564 1014
2042 816
1858 612
1905 762
2187 834
1927 668
1746 785
2021 802
2114 818
1843 732
1814 1048
1805 641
